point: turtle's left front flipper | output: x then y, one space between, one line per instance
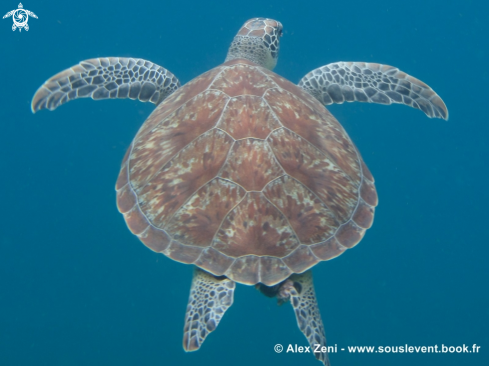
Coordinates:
299 288
107 78
210 297
374 83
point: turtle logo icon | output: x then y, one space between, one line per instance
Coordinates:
20 17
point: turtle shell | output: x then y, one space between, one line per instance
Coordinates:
245 175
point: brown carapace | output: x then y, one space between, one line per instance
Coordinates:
246 175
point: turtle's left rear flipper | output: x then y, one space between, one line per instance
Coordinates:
373 83
107 78
210 297
300 289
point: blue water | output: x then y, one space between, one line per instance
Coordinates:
77 288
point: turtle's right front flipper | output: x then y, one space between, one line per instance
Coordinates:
373 83
210 297
107 78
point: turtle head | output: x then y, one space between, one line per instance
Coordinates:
258 41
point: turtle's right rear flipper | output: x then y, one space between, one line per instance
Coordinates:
107 78
300 289
210 297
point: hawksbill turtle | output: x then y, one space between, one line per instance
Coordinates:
242 173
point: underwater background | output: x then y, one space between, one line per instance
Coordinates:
77 288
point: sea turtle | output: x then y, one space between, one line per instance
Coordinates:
242 173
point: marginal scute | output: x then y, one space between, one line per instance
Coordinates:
155 239
135 220
124 165
182 253
328 249
300 259
245 270
251 164
273 270
366 172
364 215
368 193
350 234
125 199
213 261
255 226
122 179
196 222
242 80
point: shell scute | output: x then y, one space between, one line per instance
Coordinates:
179 179
197 221
328 249
301 259
312 221
176 100
251 164
248 116
182 253
316 171
273 270
151 152
214 261
136 221
318 127
256 227
364 215
242 80
350 234
155 239
126 199
245 270
368 193
123 179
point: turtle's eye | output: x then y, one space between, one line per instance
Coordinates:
280 32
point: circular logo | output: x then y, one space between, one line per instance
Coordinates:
278 348
20 17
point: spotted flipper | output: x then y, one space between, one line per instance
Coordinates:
373 83
107 78
299 288
210 297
